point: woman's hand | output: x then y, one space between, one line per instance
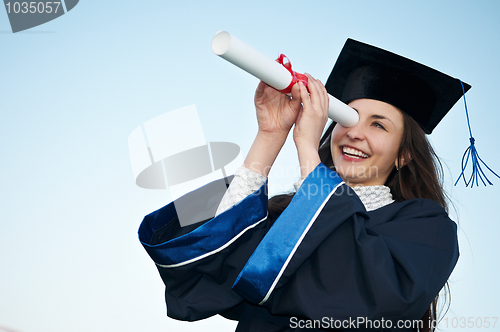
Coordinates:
276 112
312 119
310 123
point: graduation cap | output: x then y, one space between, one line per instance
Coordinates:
365 71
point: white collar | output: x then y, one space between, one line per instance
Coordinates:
374 197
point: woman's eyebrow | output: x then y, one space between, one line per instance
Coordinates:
381 117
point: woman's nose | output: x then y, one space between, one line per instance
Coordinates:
356 133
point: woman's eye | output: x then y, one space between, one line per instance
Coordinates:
379 125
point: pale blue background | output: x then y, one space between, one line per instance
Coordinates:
73 89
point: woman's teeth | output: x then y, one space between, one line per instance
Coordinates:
353 152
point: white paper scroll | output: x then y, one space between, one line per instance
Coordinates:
271 72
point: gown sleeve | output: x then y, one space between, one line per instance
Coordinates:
326 256
199 263
244 183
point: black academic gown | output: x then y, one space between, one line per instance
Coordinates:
324 261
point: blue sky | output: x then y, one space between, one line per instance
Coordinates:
73 89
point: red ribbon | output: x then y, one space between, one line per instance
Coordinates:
296 77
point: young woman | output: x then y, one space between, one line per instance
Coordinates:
365 242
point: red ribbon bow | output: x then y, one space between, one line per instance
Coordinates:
296 77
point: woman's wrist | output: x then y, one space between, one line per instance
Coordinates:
308 160
306 145
276 136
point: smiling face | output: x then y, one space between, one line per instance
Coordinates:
366 153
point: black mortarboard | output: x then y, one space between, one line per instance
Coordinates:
365 71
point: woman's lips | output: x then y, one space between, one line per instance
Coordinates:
352 154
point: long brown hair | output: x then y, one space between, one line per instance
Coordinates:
419 175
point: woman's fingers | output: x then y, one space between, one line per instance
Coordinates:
295 102
276 112
313 88
318 96
311 121
304 95
260 90
316 101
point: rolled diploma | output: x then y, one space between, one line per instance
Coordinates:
271 72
